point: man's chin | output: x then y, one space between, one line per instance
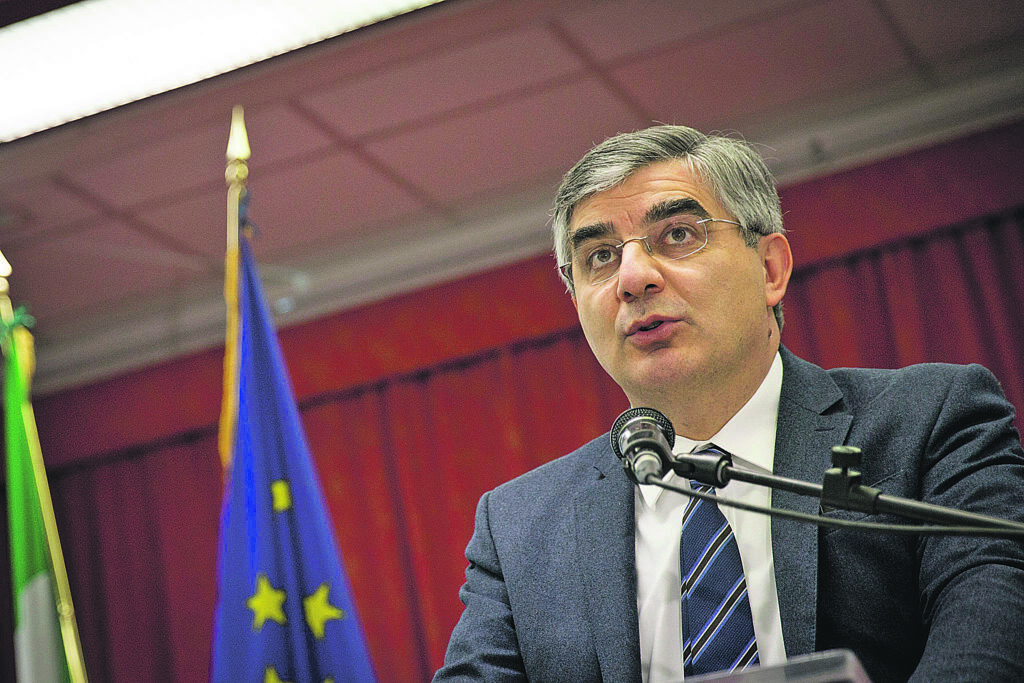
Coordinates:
659 374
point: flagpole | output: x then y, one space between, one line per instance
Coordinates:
65 608
236 174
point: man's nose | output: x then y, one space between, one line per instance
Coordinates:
639 269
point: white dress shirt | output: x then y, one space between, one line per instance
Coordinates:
750 437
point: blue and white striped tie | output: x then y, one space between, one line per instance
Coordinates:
718 631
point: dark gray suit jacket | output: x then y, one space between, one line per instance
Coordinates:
550 590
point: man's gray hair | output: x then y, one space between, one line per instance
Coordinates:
731 168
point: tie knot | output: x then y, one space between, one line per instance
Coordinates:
701 488
706 463
710 448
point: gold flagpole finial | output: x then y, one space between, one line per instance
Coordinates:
238 139
237 171
5 266
6 308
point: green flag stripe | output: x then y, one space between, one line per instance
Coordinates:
29 555
39 655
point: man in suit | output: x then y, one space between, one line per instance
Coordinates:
672 246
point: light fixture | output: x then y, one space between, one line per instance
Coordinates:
95 55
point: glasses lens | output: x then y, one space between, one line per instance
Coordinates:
680 239
598 263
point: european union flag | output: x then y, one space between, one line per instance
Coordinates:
285 609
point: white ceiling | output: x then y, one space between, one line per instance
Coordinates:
429 147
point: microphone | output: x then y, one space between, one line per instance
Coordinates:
642 439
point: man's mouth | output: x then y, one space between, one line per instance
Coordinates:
651 324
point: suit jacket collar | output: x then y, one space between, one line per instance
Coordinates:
812 419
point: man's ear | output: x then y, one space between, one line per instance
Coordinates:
777 259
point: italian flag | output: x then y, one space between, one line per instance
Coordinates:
39 655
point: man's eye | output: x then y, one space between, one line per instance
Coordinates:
680 234
601 256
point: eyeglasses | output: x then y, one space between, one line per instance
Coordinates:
597 261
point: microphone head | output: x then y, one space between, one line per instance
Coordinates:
649 414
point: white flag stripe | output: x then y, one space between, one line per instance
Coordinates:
36 640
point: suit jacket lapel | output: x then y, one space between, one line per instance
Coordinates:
803 442
606 549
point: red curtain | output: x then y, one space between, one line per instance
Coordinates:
415 407
955 295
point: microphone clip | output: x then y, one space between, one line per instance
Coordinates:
709 466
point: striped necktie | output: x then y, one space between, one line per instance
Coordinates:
718 631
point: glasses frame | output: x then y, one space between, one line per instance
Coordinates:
566 268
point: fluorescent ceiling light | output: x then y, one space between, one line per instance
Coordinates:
99 54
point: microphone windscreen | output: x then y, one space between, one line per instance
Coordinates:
620 423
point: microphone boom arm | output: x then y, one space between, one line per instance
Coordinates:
842 489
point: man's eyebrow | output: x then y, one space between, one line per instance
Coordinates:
674 207
658 212
590 232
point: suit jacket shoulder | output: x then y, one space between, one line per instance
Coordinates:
934 432
550 590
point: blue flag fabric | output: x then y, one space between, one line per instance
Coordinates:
285 610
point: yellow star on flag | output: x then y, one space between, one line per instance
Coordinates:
281 495
319 611
271 676
266 603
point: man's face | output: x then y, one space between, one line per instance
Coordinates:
701 323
